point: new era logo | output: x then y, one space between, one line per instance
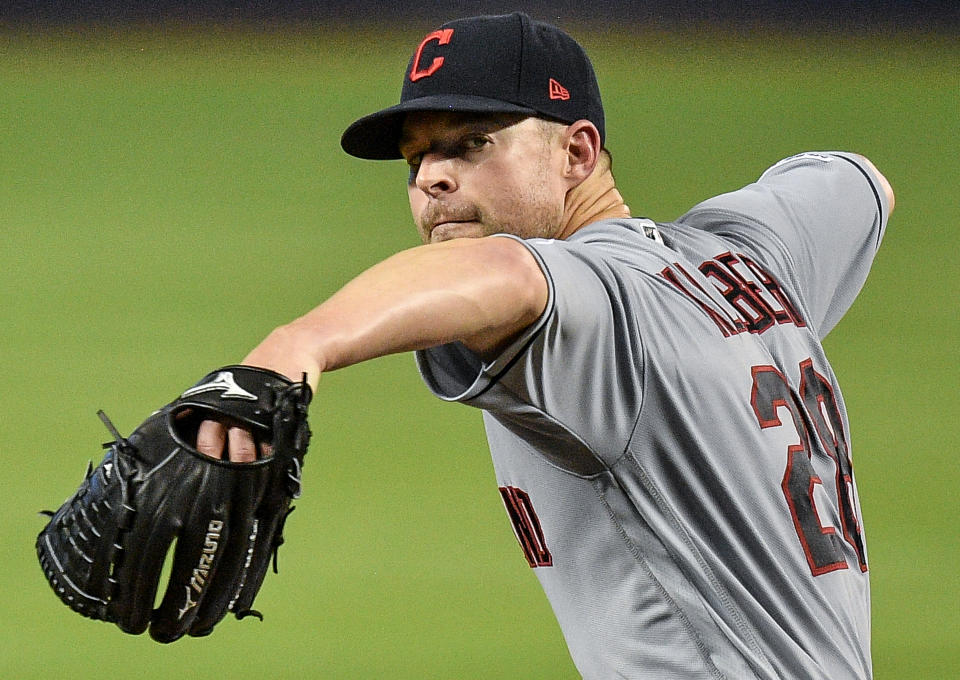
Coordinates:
558 91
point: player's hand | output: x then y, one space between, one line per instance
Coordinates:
234 443
283 352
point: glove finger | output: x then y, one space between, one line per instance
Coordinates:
76 548
195 570
161 506
291 437
137 574
269 538
234 566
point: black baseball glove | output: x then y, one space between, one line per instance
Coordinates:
104 549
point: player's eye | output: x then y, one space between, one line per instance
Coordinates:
413 162
474 142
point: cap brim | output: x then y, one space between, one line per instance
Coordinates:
377 136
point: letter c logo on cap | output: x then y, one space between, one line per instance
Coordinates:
442 38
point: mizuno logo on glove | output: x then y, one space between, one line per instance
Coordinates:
224 382
199 578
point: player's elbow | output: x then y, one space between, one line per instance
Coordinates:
884 184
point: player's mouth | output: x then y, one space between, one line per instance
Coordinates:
444 221
449 229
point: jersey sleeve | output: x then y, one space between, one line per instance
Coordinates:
816 219
576 372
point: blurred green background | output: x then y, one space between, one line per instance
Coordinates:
168 196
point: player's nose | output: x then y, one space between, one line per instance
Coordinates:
436 176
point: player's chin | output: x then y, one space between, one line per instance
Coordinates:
451 230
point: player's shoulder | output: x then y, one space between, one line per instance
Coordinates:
844 165
811 178
838 163
801 160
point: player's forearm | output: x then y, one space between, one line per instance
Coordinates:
482 292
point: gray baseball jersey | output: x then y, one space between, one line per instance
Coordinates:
671 444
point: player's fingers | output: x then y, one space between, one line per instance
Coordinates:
211 437
242 448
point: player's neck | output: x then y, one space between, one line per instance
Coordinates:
593 200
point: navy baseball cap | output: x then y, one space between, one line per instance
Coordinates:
486 64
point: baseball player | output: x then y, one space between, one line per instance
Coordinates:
670 442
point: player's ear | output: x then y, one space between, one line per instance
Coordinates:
582 146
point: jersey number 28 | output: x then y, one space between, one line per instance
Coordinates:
813 409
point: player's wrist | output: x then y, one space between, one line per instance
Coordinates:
290 350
